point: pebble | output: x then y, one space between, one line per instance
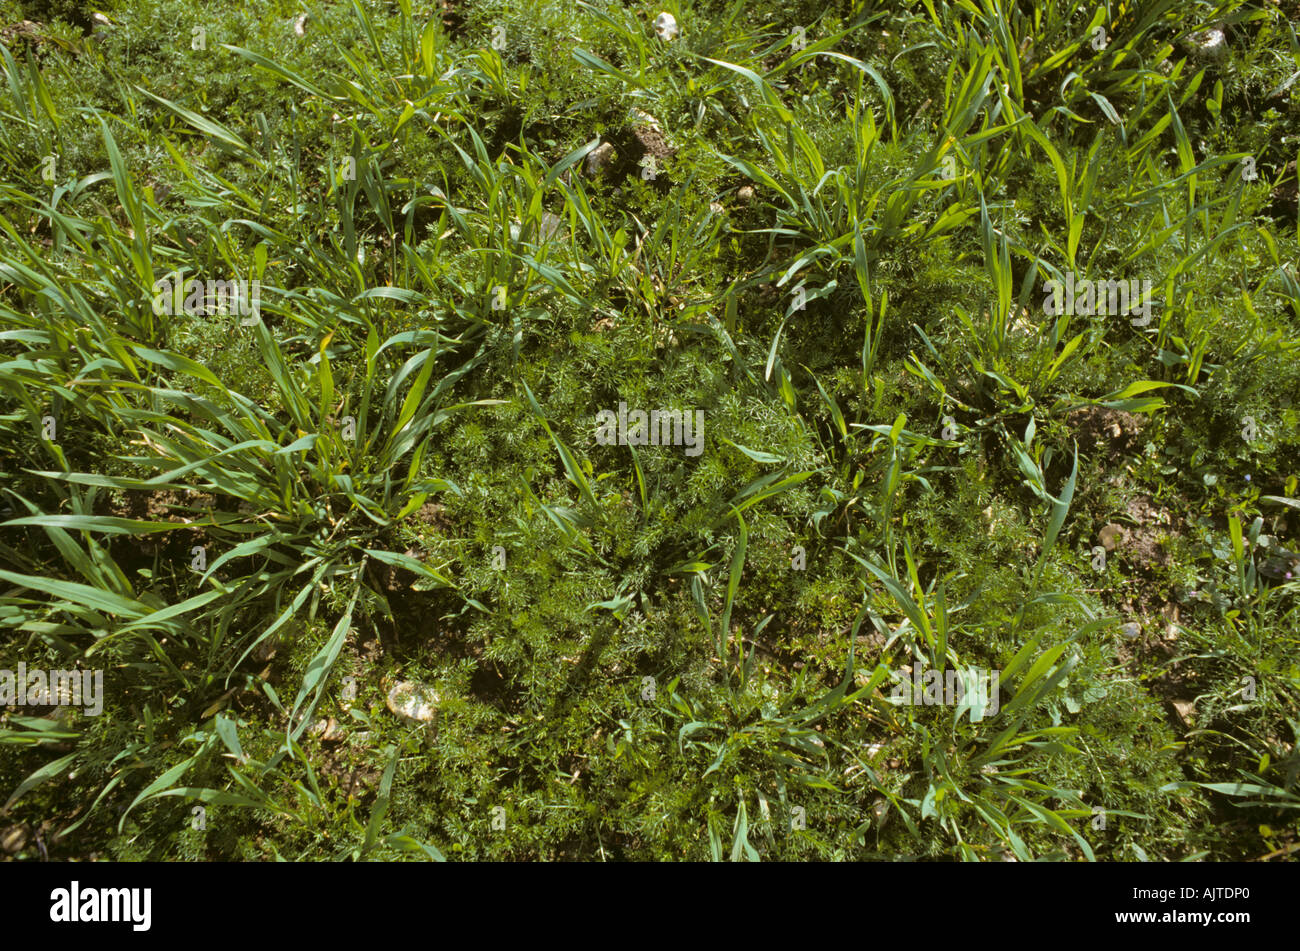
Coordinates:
1110 535
1209 43
599 158
645 120
413 701
13 839
666 27
327 730
551 227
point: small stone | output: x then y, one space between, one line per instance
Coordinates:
1110 536
413 702
666 27
1209 43
551 226
1022 325
27 29
13 839
599 158
1130 630
745 195
300 24
644 119
327 730
1172 616
716 207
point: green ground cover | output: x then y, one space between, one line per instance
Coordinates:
827 230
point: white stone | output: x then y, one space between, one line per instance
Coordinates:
1211 42
599 157
640 118
666 27
413 702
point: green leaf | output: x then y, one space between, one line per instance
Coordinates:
49 771
755 454
93 598
319 667
1060 507
380 809
155 787
592 61
282 71
210 129
229 735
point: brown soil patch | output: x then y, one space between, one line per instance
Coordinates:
452 19
1284 201
652 141
433 515
1100 428
24 33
